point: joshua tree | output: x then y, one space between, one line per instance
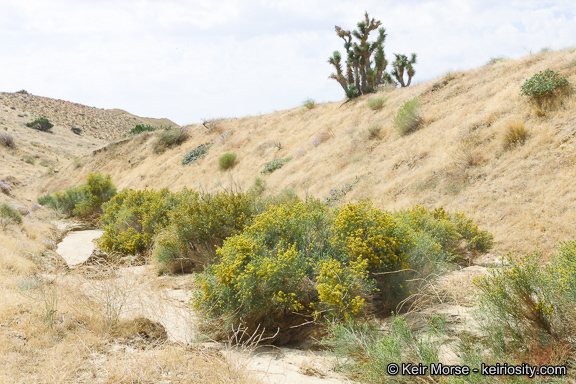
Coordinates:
401 65
361 77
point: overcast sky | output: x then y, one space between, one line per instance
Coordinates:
189 60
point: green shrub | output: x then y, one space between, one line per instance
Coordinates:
543 84
132 219
9 215
309 103
408 118
271 166
196 154
227 161
139 128
85 200
376 104
169 138
198 226
41 124
75 130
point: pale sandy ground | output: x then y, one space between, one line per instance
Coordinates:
77 247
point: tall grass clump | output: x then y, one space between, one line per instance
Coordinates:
9 215
227 161
515 134
6 140
376 104
408 118
83 201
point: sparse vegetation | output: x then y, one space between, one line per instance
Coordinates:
227 161
376 104
271 166
41 124
543 84
309 103
374 132
196 154
408 118
6 140
515 134
76 130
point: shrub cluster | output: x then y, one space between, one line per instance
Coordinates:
41 124
76 130
408 118
196 154
6 140
376 103
309 103
271 166
301 260
139 128
85 200
543 84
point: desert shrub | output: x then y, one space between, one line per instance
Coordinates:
41 124
227 161
199 226
376 104
528 308
515 134
9 215
543 84
6 140
196 154
309 103
408 118
271 166
139 128
169 138
85 200
132 219
76 130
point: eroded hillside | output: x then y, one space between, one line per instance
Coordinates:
523 194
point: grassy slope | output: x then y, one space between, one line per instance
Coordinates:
524 195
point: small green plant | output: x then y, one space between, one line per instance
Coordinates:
139 128
376 104
196 154
495 60
28 159
41 124
9 215
408 118
543 84
76 130
45 163
273 165
6 140
227 161
309 103
170 138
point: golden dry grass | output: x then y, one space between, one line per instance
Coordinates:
455 160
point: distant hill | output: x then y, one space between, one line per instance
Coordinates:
523 194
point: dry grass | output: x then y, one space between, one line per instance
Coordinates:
515 134
522 196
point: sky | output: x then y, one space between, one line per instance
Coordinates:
190 60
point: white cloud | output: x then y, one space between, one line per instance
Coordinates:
187 59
